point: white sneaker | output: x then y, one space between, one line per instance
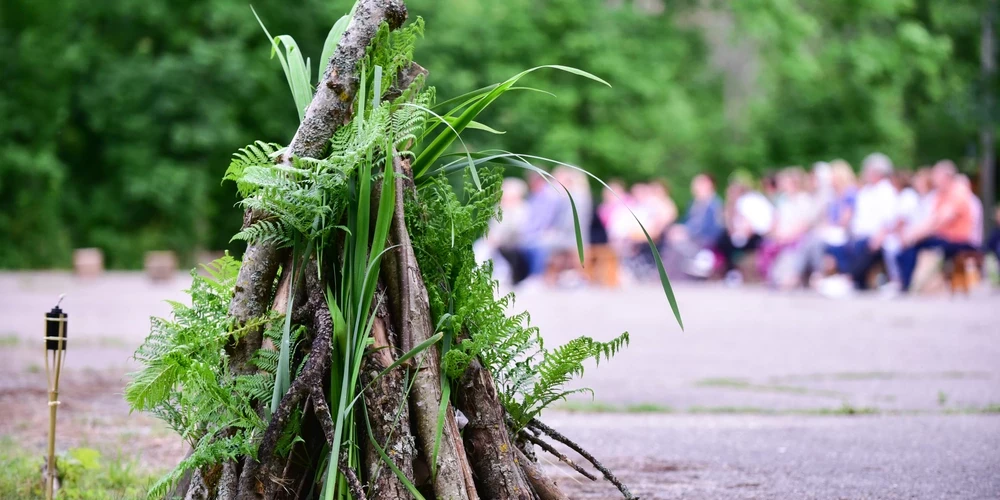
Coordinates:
702 264
835 287
889 290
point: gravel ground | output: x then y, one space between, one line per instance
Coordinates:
752 400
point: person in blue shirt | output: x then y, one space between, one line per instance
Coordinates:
692 240
545 208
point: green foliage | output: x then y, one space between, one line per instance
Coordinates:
115 136
556 368
463 298
84 474
443 229
852 78
185 379
306 197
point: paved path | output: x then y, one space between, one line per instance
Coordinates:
751 401
723 457
754 349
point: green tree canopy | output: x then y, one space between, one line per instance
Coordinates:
120 116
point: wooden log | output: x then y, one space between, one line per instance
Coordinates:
487 443
411 308
388 414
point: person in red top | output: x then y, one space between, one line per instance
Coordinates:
949 227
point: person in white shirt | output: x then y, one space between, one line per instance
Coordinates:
907 209
748 217
875 215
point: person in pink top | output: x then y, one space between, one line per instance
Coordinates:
949 228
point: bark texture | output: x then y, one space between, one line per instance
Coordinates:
388 414
330 108
540 483
487 442
404 424
453 478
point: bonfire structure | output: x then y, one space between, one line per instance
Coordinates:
359 350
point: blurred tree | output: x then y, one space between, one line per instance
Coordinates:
846 78
661 118
120 116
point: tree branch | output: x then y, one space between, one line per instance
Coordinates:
330 108
554 434
454 474
322 411
562 458
312 376
487 442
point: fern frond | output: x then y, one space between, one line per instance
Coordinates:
258 154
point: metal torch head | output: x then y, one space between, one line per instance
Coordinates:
56 326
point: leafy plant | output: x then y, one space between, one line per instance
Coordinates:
329 204
464 300
185 378
84 474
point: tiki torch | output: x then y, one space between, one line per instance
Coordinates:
55 352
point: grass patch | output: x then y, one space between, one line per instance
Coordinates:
84 473
587 407
745 385
990 409
845 409
879 375
723 410
599 407
648 408
9 340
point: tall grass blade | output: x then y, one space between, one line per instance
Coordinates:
521 161
440 144
294 66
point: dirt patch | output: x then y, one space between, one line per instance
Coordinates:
91 413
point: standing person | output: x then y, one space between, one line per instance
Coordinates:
748 217
949 228
691 241
874 216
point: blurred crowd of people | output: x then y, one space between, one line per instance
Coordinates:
826 228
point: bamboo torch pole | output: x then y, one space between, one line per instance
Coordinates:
55 352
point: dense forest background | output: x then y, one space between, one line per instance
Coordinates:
118 118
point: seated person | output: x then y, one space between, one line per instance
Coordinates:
874 216
699 231
839 212
749 216
792 246
993 242
949 228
